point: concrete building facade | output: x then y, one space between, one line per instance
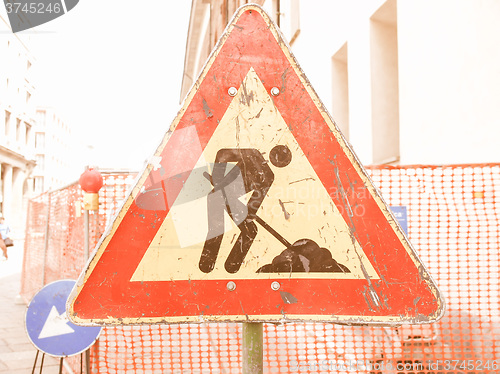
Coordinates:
53 145
407 82
17 120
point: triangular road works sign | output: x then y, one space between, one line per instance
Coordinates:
254 208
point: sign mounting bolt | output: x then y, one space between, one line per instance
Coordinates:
232 91
231 286
275 286
275 91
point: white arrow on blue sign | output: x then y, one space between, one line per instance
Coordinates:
48 327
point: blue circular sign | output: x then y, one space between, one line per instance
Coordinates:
48 327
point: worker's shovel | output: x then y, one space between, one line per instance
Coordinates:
304 255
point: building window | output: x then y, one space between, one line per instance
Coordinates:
385 85
294 20
7 123
41 118
340 91
38 184
28 133
40 162
287 17
40 140
18 129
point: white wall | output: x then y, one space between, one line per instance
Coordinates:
449 81
423 76
448 77
325 26
384 84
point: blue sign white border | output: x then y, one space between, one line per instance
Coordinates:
65 303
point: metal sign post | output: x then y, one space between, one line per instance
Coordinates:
91 182
253 348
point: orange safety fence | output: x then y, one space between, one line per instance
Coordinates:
453 221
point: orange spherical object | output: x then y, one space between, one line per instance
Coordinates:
91 181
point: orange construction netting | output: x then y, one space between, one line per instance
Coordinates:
453 220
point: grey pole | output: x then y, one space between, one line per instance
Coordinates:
86 235
253 348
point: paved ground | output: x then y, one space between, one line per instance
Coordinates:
17 354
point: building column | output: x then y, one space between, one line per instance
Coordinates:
7 191
1 188
360 100
17 218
